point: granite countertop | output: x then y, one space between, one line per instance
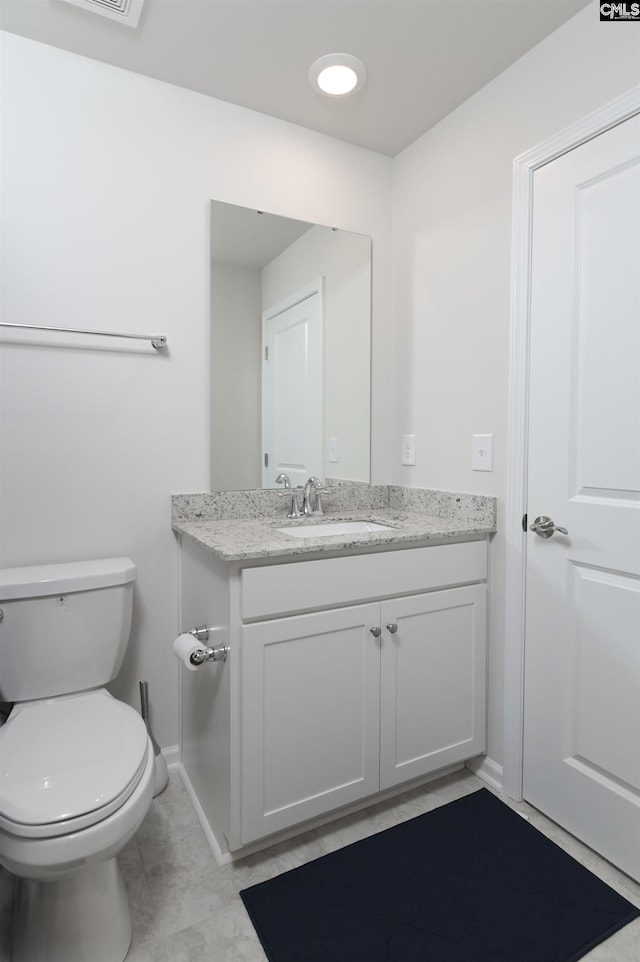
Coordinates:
236 540
414 516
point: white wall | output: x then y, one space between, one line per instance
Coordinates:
451 273
107 178
344 261
236 375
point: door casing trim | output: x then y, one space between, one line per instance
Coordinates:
524 168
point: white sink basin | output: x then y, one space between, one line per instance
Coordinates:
322 529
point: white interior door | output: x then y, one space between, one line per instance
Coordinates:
292 388
582 654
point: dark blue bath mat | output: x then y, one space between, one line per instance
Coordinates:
471 881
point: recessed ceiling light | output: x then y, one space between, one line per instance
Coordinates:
337 74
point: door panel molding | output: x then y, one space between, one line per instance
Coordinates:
524 168
293 386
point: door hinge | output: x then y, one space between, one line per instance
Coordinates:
524 522
266 460
266 353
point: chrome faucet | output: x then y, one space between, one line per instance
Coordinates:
311 503
294 510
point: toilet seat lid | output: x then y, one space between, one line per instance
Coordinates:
68 757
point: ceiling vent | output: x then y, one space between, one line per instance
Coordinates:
124 11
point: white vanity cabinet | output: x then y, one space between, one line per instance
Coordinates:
310 718
347 676
432 682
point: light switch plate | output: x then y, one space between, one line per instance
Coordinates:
408 449
482 452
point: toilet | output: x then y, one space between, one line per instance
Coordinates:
76 765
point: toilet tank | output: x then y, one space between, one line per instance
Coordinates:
64 627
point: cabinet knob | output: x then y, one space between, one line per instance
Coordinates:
376 632
392 627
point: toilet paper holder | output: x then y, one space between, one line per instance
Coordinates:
216 653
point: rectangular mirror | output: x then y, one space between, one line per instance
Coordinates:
290 350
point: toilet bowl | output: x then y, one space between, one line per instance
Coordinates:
77 769
60 832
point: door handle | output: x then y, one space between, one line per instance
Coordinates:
376 632
545 527
392 627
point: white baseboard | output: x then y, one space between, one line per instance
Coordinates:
225 857
487 770
222 858
171 756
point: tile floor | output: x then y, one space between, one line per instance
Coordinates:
187 909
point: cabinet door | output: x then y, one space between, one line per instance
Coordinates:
433 682
310 716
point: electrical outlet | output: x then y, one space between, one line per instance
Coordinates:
408 449
482 452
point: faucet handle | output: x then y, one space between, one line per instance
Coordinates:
294 510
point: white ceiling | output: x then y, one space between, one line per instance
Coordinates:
241 237
423 57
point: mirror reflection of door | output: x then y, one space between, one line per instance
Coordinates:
292 388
